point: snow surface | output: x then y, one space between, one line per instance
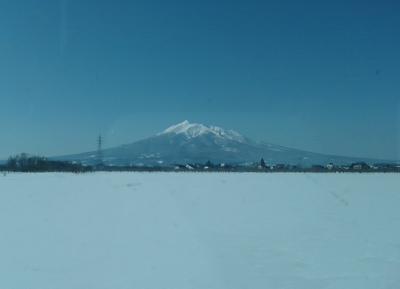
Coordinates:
192 130
190 230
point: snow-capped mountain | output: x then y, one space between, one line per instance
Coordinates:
193 130
188 142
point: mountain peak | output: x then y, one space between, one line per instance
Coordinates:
192 130
187 142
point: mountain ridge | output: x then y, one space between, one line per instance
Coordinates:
187 142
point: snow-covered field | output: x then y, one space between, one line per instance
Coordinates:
216 231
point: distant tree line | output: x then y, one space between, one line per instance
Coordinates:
27 163
259 167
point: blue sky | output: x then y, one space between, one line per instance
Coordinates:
317 75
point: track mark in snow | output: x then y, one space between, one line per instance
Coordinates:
334 194
339 198
133 185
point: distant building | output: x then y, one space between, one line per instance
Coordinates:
360 166
330 166
280 166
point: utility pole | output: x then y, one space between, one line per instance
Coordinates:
100 150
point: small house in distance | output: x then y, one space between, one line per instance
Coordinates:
362 166
330 166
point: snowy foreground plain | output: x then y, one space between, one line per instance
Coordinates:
210 230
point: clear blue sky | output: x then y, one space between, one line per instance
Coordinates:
317 75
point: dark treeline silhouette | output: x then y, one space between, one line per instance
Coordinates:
259 167
27 163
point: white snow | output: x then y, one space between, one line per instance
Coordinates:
192 130
199 230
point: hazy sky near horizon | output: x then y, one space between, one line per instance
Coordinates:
322 76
